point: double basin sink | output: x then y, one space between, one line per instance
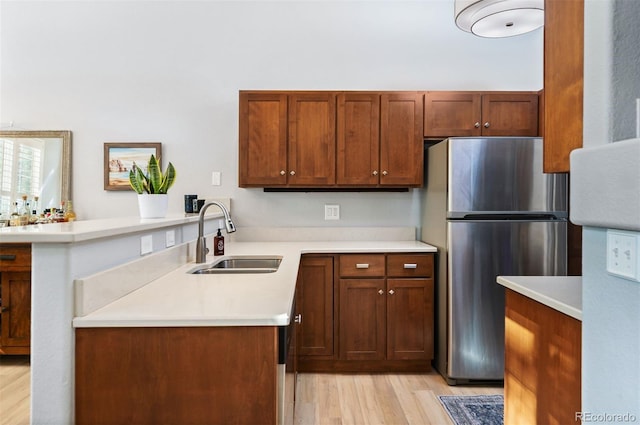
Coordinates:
240 264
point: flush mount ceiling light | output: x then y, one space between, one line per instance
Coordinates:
499 18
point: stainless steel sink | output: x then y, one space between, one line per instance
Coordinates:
240 264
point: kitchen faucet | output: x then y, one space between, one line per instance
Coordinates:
201 244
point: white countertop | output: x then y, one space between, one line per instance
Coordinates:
84 230
262 299
562 293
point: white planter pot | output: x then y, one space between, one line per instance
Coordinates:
153 206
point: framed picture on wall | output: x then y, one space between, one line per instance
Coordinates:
119 159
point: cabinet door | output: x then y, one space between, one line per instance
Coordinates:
315 303
448 114
410 319
263 139
362 319
401 140
16 309
312 139
510 114
563 81
358 157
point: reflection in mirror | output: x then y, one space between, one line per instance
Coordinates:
35 164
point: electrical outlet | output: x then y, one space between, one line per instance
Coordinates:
146 244
623 254
170 238
332 212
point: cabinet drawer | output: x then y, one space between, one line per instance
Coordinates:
403 265
15 257
356 265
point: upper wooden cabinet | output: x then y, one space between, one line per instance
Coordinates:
448 114
287 139
563 81
331 139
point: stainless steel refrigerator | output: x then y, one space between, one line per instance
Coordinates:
490 210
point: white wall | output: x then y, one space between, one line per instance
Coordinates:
611 313
170 71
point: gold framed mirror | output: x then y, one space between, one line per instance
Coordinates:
35 163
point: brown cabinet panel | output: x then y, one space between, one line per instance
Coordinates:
312 139
263 139
199 375
401 139
510 114
410 319
15 296
452 114
314 301
362 319
362 265
542 382
15 310
358 139
563 81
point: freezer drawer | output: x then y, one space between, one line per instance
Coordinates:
478 251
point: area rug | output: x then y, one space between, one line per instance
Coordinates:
474 410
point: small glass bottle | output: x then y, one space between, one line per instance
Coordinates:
69 214
24 214
14 219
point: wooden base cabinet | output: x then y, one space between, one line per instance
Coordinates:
15 295
199 375
542 382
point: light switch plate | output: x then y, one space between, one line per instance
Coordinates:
215 178
146 244
623 254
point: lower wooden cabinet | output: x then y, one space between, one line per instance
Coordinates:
15 298
379 306
543 363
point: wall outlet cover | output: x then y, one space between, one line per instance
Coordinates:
146 244
623 254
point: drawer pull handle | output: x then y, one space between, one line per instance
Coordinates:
410 266
362 266
8 257
297 318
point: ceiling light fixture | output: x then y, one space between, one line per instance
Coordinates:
499 18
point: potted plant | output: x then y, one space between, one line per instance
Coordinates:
152 188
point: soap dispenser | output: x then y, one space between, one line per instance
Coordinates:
218 244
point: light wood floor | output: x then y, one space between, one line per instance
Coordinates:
322 399
15 374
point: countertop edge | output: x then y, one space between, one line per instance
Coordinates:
526 285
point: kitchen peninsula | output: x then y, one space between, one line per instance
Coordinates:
164 295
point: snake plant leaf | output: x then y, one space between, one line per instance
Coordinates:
168 179
134 180
155 175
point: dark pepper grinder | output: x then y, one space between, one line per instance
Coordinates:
218 244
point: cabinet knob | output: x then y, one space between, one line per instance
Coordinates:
486 125
384 173
375 172
298 318
381 292
3 309
477 125
293 173
391 292
282 172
